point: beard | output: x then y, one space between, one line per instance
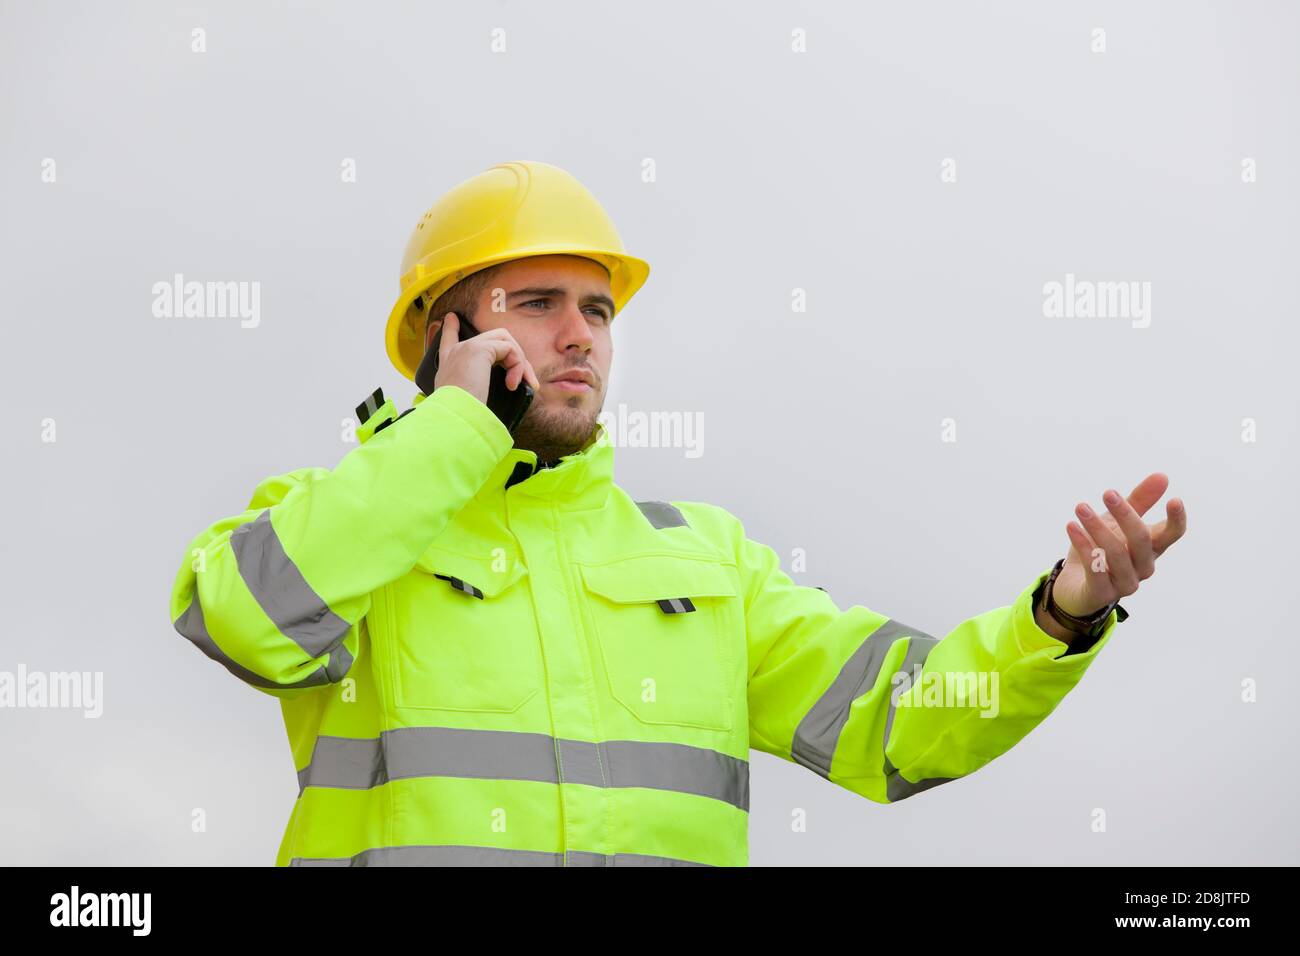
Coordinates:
555 430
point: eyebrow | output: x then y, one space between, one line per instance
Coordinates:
556 291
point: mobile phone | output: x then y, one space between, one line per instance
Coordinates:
507 404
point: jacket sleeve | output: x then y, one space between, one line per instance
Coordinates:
277 594
882 708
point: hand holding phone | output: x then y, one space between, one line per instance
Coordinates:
492 368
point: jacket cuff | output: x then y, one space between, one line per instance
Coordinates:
1042 649
454 399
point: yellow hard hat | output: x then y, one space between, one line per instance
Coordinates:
507 212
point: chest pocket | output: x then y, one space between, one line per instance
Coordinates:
462 635
664 626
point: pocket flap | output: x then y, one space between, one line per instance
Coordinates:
481 573
655 577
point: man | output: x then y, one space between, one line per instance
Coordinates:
487 653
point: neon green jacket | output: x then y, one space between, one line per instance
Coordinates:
482 662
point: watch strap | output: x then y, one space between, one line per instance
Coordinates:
1090 626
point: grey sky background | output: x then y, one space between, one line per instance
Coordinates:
775 170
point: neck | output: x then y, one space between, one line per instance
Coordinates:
547 444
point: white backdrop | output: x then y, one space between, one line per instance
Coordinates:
920 171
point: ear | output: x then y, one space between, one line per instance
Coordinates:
434 326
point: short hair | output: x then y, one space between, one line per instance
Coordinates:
462 298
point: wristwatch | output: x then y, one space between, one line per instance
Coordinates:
1090 626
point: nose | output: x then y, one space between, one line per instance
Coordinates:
574 329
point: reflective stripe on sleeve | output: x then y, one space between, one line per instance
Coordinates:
818 733
898 787
192 627
282 592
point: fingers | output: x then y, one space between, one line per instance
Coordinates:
499 343
1129 544
1136 533
1172 528
1148 492
510 355
524 367
1081 544
450 337
516 371
1118 563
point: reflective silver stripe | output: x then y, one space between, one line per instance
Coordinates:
486 856
455 752
281 590
460 585
363 763
657 766
898 787
583 858
678 767
367 409
437 856
661 514
340 662
676 605
191 626
344 762
818 733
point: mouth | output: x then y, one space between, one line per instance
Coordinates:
565 385
575 380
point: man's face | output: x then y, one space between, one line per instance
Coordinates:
558 308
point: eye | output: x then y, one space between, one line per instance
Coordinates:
601 313
535 302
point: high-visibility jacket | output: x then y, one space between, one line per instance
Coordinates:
480 661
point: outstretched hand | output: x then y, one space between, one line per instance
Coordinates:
1112 552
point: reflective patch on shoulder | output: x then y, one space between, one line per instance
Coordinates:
661 514
372 403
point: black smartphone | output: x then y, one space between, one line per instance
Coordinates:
507 404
